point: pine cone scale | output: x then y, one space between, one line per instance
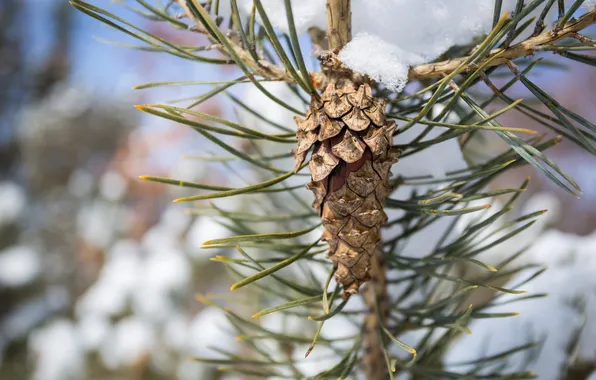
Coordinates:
350 167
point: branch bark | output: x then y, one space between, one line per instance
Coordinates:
339 23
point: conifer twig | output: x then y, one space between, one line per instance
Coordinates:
522 49
339 23
261 67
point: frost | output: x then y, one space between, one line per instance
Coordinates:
19 265
571 287
57 351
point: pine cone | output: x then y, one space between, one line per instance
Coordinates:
350 168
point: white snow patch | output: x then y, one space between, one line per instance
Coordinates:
12 202
174 332
380 60
175 220
96 222
268 109
201 230
57 352
444 157
391 35
130 342
80 183
93 330
569 308
307 13
19 265
159 237
112 186
163 274
209 328
111 292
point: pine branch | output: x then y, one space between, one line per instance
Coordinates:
339 34
261 67
522 49
339 23
346 138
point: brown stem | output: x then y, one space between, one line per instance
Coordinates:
377 301
339 23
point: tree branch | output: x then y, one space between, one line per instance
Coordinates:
339 33
522 49
339 23
261 67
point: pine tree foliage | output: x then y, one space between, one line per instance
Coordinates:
346 139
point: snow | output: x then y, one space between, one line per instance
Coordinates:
307 13
12 202
109 295
174 332
80 183
210 328
444 157
112 186
175 220
393 72
201 230
19 265
267 108
164 274
23 318
130 342
389 36
57 351
92 330
502 252
569 308
94 222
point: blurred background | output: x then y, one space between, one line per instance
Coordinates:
98 270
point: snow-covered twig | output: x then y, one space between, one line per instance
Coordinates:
527 47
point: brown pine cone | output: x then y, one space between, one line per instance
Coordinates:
350 168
